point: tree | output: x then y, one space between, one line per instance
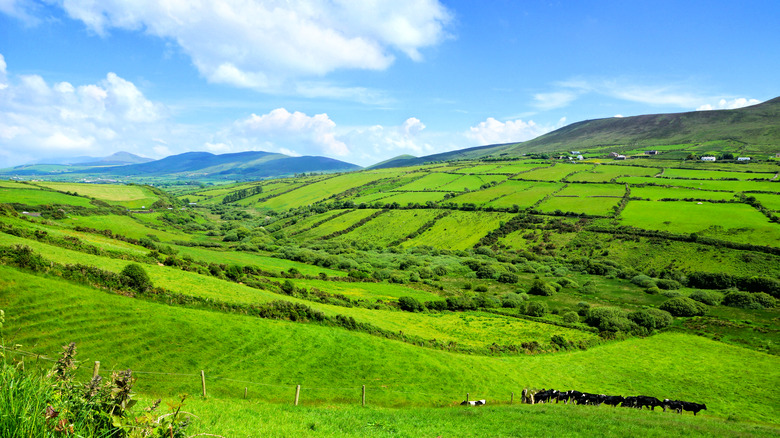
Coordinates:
135 277
540 287
536 308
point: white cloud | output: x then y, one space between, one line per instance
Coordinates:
20 9
559 99
40 120
492 131
314 135
740 102
261 44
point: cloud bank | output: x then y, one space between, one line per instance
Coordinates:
262 44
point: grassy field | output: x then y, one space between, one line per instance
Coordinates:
554 173
605 173
406 198
125 226
528 197
393 225
337 224
655 193
34 196
732 186
614 190
581 205
431 181
471 182
460 230
264 355
715 174
125 195
737 222
317 191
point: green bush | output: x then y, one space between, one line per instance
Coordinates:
710 298
684 306
508 277
540 287
668 284
410 304
511 301
642 280
765 300
742 300
536 308
135 277
571 317
481 288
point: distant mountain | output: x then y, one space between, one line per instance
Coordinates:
116 159
241 165
752 130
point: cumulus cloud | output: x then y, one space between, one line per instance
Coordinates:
39 120
740 102
261 44
492 131
20 9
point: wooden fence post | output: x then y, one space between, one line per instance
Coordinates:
245 389
96 369
364 395
467 396
203 381
297 394
512 398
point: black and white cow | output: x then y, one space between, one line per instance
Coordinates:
693 407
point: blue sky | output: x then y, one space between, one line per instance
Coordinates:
361 81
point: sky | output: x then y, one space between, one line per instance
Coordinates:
362 81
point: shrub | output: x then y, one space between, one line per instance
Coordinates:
410 304
662 318
651 319
642 280
540 287
707 297
742 300
511 301
589 288
135 277
571 317
481 288
536 308
486 272
683 306
765 300
508 277
567 282
670 293
668 284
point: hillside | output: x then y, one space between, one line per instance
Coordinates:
746 131
423 284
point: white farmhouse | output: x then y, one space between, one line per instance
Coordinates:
708 158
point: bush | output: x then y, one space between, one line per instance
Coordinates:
671 294
765 300
667 284
410 304
571 317
653 290
540 287
642 280
742 300
683 306
511 301
536 308
135 277
508 278
651 319
481 288
707 297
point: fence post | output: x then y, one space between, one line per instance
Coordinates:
512 398
96 369
467 396
203 381
364 395
297 394
245 389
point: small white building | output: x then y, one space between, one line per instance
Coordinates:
620 157
708 158
743 158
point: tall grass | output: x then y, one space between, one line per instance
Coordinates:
24 397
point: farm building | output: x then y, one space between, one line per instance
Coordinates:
743 158
651 152
620 157
708 158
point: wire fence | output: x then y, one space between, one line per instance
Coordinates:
214 383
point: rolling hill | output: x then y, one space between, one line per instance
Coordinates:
750 130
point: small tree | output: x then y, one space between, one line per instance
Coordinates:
135 277
536 308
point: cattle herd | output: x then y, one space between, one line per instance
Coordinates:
584 398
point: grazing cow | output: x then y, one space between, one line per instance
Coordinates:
672 404
564 396
473 403
693 407
574 396
650 402
591 399
629 402
613 400
544 396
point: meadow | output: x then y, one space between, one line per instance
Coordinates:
126 196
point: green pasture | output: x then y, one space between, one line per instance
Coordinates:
519 166
431 181
581 205
320 190
736 222
732 186
714 174
655 193
35 196
406 198
301 223
337 224
7 184
554 173
483 196
372 197
613 190
125 226
479 168
471 182
130 196
527 197
459 230
272 357
368 291
770 202
391 226
605 172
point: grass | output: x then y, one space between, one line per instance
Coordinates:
125 226
340 223
471 182
528 197
431 181
714 174
459 230
771 202
412 197
731 186
589 206
554 173
736 222
35 196
393 225
655 193
121 333
129 196
614 190
604 173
